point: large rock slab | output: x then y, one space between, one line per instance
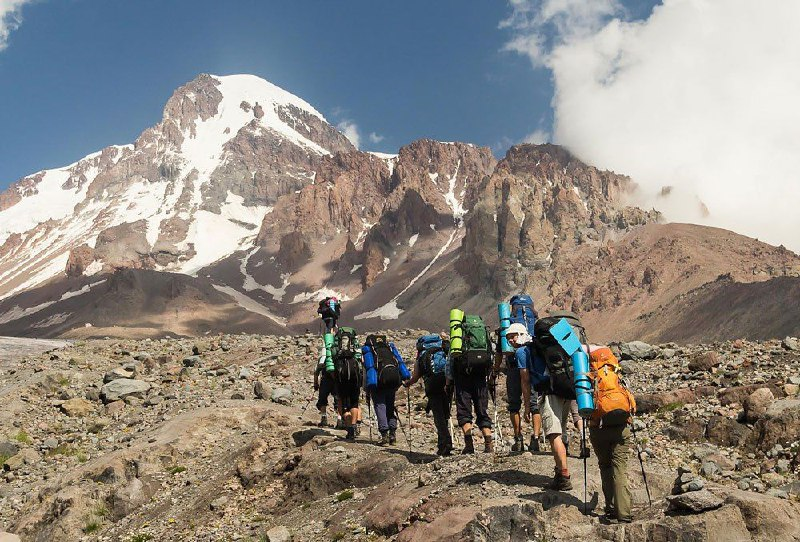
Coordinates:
122 388
757 403
77 407
637 350
724 431
650 402
694 502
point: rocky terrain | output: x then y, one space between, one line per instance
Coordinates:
210 439
243 206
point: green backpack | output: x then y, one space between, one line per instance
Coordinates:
477 349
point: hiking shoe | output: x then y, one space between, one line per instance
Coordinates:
518 444
392 437
560 483
488 445
469 446
358 429
339 424
534 445
384 440
351 433
323 421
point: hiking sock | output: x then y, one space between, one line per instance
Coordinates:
469 446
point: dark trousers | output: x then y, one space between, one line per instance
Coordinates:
439 405
383 400
330 323
472 392
326 389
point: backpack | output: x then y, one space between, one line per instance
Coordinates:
522 312
432 359
613 402
476 347
386 364
345 353
557 361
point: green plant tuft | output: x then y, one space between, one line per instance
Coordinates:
344 495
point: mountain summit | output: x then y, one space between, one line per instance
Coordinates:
243 206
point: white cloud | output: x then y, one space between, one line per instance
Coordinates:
701 96
350 131
537 137
10 18
375 138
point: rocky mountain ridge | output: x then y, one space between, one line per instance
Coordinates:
243 206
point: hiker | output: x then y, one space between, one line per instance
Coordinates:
430 365
385 373
468 368
329 310
551 377
517 370
610 433
347 377
324 384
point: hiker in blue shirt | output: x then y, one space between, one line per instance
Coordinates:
520 372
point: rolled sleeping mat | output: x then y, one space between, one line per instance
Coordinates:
456 331
504 313
328 340
583 384
369 365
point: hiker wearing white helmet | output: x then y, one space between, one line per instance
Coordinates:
516 369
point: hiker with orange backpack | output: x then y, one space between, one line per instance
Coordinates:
609 432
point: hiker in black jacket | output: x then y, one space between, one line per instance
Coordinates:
329 310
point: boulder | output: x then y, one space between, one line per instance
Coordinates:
77 407
767 517
279 534
118 372
738 394
261 391
757 403
693 502
122 388
650 402
638 350
780 425
686 428
8 449
282 396
724 431
705 361
791 343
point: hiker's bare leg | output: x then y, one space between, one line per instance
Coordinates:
559 451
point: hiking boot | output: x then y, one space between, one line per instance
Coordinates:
351 433
560 482
339 424
323 421
392 437
488 444
469 446
358 429
585 452
384 440
534 446
518 444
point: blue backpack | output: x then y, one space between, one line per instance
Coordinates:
432 354
522 312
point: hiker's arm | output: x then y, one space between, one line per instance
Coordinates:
414 377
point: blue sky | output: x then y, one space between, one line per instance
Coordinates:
78 75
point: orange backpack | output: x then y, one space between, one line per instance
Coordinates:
613 402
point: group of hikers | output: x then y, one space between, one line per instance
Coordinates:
554 379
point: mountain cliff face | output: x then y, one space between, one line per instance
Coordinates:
246 197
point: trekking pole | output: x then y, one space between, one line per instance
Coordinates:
641 463
408 408
308 404
585 482
493 393
369 415
403 429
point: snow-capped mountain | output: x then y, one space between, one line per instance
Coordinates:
243 206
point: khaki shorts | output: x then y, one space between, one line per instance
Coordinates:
555 414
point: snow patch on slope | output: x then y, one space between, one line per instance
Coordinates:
319 295
249 304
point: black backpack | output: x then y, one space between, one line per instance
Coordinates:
559 364
346 366
385 362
